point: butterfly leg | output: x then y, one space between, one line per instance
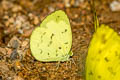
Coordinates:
58 65
70 61
73 61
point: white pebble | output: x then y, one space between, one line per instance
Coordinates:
115 6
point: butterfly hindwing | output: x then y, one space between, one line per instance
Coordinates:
53 39
103 59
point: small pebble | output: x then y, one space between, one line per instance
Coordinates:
67 3
14 42
0 77
6 17
14 55
36 20
115 6
11 20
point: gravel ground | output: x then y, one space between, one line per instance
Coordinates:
18 18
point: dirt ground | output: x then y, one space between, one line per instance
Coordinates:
18 18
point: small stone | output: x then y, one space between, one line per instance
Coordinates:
11 20
115 6
14 42
16 8
25 43
3 50
67 3
20 31
43 68
6 4
14 15
6 17
14 55
0 77
9 51
27 33
18 78
20 21
51 9
30 16
3 67
7 23
17 65
36 20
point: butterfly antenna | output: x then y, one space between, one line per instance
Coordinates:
95 19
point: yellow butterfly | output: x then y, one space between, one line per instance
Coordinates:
52 40
103 59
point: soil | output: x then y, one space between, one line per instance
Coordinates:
18 18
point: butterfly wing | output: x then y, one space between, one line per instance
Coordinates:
53 39
103 59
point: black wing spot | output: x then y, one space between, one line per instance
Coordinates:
117 54
92 58
62 55
60 48
98 59
41 36
38 45
65 30
103 39
106 59
52 36
56 54
41 51
41 40
99 77
58 16
90 73
49 43
66 43
110 69
44 33
48 53
56 51
100 51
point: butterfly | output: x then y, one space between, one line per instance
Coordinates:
103 58
52 40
